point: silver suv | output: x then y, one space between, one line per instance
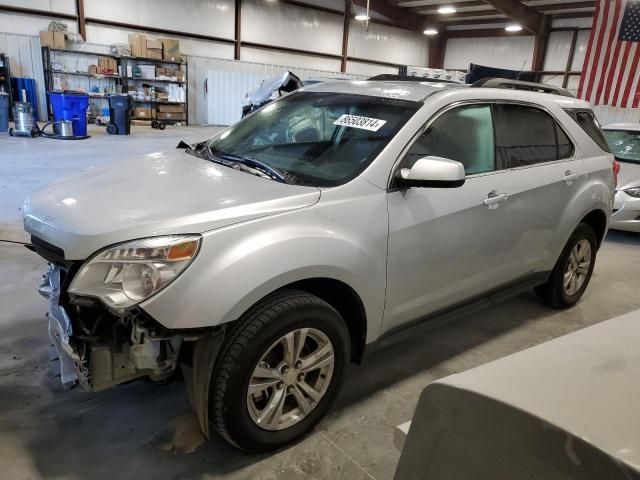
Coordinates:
264 260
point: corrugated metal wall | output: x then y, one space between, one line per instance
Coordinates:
25 60
502 52
199 67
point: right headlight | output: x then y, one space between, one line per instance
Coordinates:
633 192
126 274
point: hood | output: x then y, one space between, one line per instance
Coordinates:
157 194
629 175
286 82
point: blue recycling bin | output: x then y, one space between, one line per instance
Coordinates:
72 106
4 112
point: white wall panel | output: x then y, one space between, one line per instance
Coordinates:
581 49
555 80
188 46
29 24
59 6
572 22
369 69
199 69
206 17
500 52
259 55
607 115
25 60
274 23
558 49
387 44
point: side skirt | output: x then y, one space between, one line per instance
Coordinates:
434 320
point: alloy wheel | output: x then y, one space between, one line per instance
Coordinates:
577 267
290 379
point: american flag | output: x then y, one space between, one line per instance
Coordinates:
611 73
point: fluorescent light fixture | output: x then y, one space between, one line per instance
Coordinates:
362 17
447 9
430 31
513 28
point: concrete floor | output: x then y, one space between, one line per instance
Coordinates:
46 432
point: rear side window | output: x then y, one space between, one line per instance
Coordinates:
528 136
587 121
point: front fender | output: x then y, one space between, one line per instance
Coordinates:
239 265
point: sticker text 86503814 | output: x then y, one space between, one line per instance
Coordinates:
364 123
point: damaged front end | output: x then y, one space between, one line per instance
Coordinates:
99 348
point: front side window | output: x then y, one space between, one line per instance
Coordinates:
528 136
313 138
464 134
624 144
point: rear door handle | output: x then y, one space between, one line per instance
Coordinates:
494 199
569 177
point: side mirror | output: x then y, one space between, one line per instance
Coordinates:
433 172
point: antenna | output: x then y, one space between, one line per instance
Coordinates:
521 69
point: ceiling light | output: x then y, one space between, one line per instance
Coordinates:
446 10
362 17
431 31
513 28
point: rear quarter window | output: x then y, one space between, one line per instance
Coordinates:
587 121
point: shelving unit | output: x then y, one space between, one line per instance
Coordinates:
124 63
5 80
50 73
132 62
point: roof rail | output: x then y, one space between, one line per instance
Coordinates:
520 85
391 77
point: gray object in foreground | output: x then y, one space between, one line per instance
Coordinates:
566 409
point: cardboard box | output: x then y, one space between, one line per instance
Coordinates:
180 76
138 44
155 53
171 108
171 49
170 115
52 39
93 69
161 72
143 113
154 44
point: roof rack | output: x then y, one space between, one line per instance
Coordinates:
520 85
390 77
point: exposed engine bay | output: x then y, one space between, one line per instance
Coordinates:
100 348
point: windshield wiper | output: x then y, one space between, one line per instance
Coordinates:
252 163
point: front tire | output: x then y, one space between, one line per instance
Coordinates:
279 371
573 270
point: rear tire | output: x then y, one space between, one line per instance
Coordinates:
572 272
260 397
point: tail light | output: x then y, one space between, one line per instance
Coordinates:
616 171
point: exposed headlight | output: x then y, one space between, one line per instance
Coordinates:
128 273
634 192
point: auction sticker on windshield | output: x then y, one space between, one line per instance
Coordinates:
364 123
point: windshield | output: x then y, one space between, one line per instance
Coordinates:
624 144
312 138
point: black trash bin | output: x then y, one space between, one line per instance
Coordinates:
5 103
119 115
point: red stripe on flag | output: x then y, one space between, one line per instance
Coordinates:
623 67
596 63
587 57
609 61
630 78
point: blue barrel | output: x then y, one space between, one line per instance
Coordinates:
71 106
4 112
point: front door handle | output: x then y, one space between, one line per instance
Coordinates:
494 199
569 177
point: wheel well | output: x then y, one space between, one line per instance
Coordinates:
347 302
597 220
